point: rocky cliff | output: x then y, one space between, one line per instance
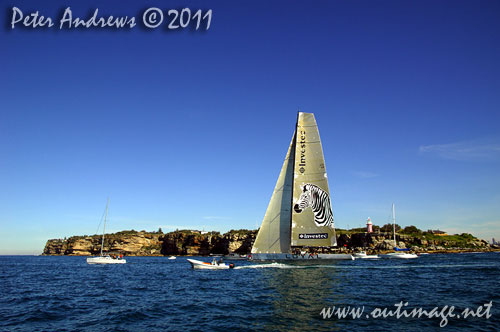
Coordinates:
186 242
132 243
127 242
195 243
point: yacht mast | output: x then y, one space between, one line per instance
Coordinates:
394 223
292 175
104 228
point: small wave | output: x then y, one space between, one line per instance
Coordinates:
40 315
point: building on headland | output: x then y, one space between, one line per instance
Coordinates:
437 232
195 231
369 225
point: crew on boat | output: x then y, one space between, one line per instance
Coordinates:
116 256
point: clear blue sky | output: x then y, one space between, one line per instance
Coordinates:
189 129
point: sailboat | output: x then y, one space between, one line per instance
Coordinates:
104 258
398 252
299 215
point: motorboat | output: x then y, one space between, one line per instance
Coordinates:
172 257
214 265
400 255
233 256
363 255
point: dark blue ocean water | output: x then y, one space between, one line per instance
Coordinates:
157 294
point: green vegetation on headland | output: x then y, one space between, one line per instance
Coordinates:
381 239
193 242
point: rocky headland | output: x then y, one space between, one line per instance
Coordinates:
381 242
134 243
197 243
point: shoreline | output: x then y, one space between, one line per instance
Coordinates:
381 252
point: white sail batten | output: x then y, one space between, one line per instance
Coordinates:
274 233
312 216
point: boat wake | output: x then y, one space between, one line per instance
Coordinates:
352 267
271 265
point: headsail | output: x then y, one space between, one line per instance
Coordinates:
274 233
312 216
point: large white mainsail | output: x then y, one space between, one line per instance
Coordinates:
299 213
274 233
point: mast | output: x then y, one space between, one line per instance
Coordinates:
394 223
104 228
293 172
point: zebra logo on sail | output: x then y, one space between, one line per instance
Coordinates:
319 201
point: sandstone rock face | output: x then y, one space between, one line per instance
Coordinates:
80 247
127 243
140 244
195 243
240 243
132 243
385 245
55 247
188 243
